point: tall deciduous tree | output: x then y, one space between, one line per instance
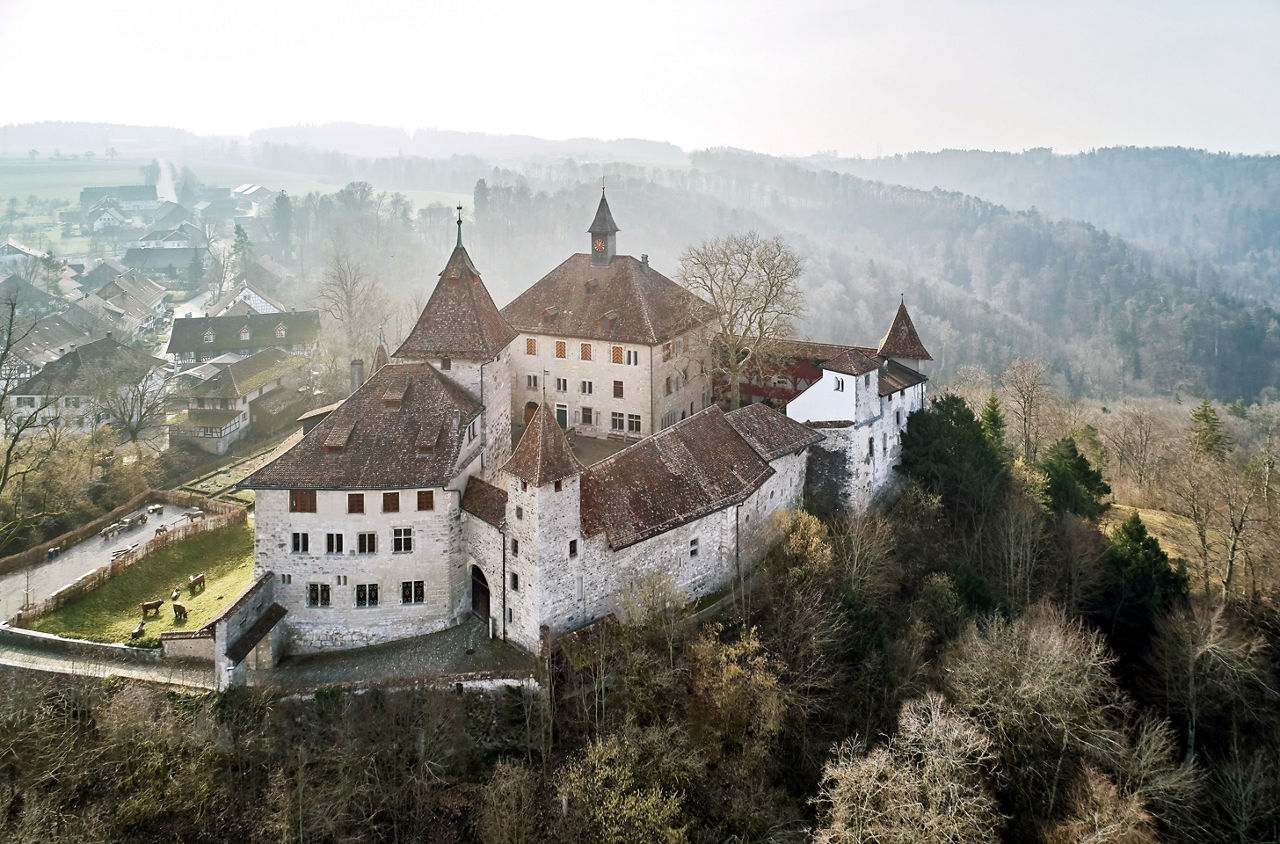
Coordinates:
753 283
1028 390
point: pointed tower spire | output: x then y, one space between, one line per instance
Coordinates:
901 340
543 454
460 319
604 232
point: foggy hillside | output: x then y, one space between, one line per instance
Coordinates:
1222 207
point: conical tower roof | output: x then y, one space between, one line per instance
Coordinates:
603 223
460 319
902 341
543 454
380 356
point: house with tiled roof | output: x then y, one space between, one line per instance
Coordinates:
194 340
73 390
404 509
227 397
616 347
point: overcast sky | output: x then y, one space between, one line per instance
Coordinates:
779 76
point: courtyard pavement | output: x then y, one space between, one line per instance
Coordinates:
420 658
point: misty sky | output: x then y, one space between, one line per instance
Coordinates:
789 77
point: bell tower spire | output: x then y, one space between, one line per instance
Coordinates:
604 232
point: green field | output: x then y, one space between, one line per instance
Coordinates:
63 179
110 613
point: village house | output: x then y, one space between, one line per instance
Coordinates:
194 340
232 394
74 391
616 347
126 197
244 299
49 338
403 509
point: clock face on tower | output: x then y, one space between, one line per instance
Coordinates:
599 245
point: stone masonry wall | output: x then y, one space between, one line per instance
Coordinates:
437 558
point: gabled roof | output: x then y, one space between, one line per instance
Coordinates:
240 377
771 433
125 193
460 319
27 296
894 376
133 285
485 501
901 340
50 334
650 308
176 258
81 368
188 333
246 292
697 466
852 362
543 454
403 428
603 222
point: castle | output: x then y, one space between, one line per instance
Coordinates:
407 507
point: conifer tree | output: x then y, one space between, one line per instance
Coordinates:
1206 436
993 424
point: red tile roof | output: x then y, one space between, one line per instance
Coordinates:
771 433
852 362
460 319
369 442
485 501
650 307
543 454
901 340
695 467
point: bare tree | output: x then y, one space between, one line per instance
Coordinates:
350 295
24 445
752 283
1027 391
930 782
132 400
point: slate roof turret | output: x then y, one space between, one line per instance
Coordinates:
460 319
543 454
902 341
603 222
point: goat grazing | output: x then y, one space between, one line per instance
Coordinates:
136 633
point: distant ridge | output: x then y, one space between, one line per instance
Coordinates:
381 141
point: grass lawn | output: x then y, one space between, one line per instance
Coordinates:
110 613
1176 534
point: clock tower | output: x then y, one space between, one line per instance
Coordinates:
604 234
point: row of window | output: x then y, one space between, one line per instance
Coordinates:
281 332
365 594
617 354
304 501
366 542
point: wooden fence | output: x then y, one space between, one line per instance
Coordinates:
223 515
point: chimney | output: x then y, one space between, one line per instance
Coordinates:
357 374
109 333
644 263
457 420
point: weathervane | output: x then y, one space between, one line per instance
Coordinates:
459 225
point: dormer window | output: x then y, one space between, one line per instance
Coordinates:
610 320
244 333
208 336
591 285
549 315
281 331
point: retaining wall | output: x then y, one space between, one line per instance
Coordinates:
31 640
